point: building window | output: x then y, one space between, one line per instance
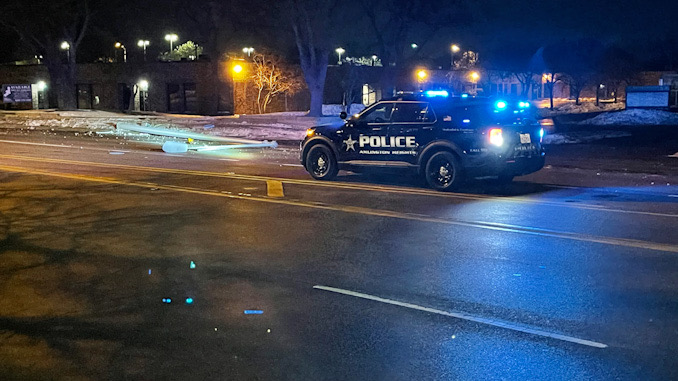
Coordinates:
190 98
174 101
370 95
84 96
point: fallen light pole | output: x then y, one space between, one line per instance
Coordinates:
179 147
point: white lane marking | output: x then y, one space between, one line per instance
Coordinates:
673 195
292 165
59 146
229 159
465 316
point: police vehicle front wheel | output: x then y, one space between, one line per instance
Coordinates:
320 163
443 171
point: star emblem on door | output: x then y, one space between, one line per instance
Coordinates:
350 143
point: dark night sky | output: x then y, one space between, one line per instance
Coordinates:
640 27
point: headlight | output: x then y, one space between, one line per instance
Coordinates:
310 132
496 137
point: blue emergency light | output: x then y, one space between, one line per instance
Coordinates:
436 93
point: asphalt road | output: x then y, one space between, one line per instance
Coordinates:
118 261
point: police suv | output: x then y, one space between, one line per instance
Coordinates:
445 139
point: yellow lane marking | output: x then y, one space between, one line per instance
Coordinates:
274 188
368 211
340 185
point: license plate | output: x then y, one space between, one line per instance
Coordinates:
525 139
525 148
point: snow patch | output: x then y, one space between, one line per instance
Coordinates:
575 137
335 109
583 108
634 117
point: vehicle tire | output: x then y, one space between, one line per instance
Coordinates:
320 162
443 171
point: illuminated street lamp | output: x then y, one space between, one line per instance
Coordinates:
414 46
248 50
41 85
143 44
422 76
474 78
171 38
454 49
124 51
340 51
237 69
67 47
374 59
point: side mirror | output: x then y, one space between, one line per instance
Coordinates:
343 115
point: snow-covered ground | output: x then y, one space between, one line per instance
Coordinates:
574 137
583 108
276 126
634 117
279 126
334 110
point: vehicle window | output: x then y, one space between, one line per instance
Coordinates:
381 113
413 112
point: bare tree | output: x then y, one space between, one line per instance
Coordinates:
396 24
271 78
53 29
500 76
550 80
577 61
544 62
353 77
311 23
617 68
526 79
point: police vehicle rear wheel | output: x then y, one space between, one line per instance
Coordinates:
320 163
443 171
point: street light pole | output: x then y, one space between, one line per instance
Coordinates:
67 47
171 38
454 49
340 51
124 51
143 44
